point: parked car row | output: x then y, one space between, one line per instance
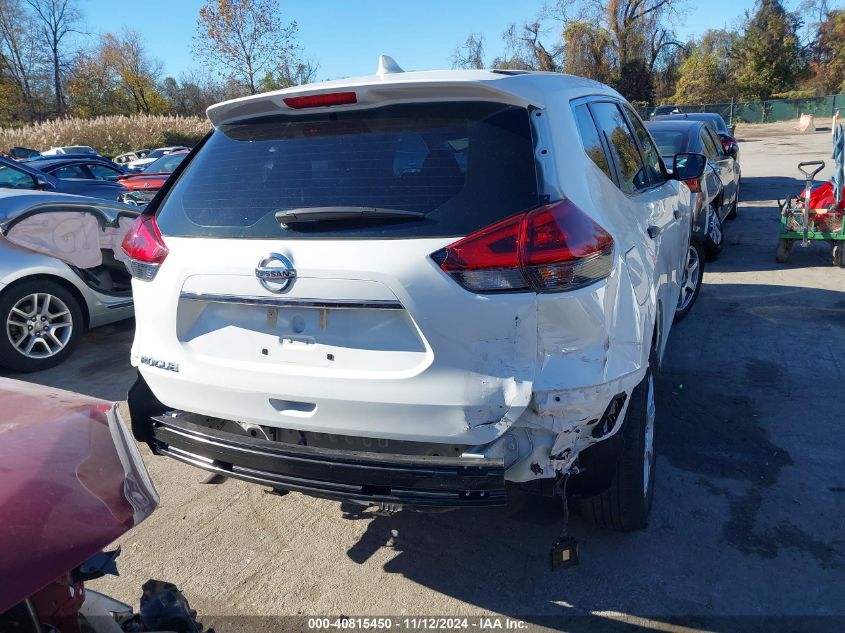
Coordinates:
139 164
62 220
716 123
143 186
25 175
716 193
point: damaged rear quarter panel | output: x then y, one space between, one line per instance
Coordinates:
590 349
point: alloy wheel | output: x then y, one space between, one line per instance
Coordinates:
648 439
39 325
689 281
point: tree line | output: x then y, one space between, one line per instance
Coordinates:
632 45
50 66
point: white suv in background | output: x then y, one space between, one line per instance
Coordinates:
409 288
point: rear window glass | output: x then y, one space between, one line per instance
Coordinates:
463 165
669 142
165 164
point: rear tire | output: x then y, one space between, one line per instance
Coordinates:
693 275
732 213
42 324
782 252
625 505
837 252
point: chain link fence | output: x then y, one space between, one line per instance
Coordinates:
765 111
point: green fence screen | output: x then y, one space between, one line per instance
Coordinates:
767 111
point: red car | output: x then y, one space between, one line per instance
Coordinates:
73 481
144 186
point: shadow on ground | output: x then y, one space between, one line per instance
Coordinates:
99 367
747 446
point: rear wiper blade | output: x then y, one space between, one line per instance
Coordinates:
320 214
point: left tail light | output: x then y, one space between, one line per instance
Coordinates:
553 248
144 247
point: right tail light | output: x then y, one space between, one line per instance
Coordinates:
553 248
145 247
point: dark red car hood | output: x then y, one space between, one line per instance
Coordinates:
143 181
71 482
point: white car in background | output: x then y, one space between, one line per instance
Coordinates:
70 149
128 157
409 288
141 163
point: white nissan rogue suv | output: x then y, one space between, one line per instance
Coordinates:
409 288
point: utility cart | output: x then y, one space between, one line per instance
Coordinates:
815 214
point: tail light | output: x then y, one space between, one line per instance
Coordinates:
554 248
694 184
144 247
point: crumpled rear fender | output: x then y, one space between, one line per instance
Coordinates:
593 345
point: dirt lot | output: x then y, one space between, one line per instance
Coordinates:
749 512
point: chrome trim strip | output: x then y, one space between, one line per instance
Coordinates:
287 302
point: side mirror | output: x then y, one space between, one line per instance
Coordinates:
733 150
688 166
42 183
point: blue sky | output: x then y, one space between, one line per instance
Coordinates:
346 37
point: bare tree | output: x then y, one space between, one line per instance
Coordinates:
19 51
193 92
526 51
470 54
245 39
56 19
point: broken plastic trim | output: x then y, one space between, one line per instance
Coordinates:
611 414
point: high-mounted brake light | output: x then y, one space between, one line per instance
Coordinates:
553 248
321 100
145 248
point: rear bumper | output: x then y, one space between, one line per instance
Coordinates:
330 473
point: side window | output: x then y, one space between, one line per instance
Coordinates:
626 155
590 139
71 171
709 146
653 165
717 143
103 172
14 179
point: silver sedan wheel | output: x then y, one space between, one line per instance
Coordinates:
39 325
689 281
648 440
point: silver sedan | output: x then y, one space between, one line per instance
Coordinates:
61 271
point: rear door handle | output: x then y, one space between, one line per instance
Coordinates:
654 231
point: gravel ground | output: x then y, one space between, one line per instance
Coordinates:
749 511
